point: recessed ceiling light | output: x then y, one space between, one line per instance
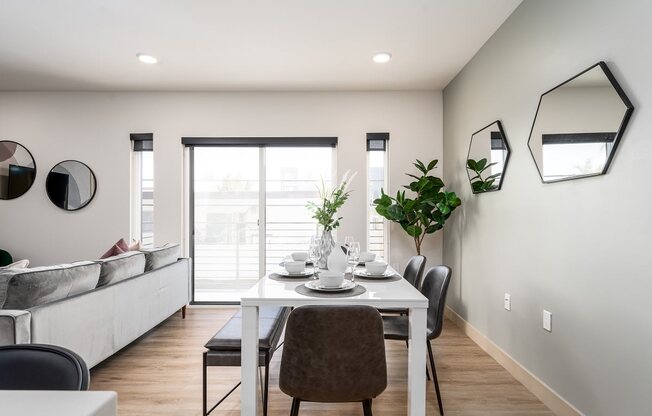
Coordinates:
146 59
382 57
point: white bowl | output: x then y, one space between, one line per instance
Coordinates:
295 266
331 279
299 256
376 267
366 256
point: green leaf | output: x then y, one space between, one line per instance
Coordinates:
488 166
395 213
481 164
433 228
419 165
436 181
494 176
471 164
382 211
413 230
408 205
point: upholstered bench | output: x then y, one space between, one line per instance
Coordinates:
224 348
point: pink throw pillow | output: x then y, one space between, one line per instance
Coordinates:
135 245
118 248
122 244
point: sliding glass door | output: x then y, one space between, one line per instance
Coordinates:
226 213
248 207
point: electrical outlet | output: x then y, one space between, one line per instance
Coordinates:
508 302
547 320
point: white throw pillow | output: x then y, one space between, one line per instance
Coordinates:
20 264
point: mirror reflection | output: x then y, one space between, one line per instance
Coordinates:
578 125
17 169
71 185
487 158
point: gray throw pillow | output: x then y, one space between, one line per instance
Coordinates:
121 267
161 256
26 288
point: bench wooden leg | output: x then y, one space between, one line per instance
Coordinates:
183 312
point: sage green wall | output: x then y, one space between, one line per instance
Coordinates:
580 249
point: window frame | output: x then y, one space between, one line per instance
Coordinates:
374 137
190 143
140 143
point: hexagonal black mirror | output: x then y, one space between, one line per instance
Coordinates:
578 125
487 159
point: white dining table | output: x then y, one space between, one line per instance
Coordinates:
380 294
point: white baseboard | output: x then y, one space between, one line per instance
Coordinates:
548 396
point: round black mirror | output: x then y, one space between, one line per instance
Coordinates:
71 185
17 169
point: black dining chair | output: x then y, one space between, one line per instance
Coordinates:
333 354
413 273
434 287
41 367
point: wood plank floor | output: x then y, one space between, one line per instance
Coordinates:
160 374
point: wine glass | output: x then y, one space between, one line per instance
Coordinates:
353 254
347 241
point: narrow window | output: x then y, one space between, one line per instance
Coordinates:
377 230
142 222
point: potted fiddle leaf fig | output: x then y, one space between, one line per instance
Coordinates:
423 212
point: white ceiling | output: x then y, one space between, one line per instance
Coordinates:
241 44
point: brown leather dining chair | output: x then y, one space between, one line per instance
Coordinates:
434 287
333 354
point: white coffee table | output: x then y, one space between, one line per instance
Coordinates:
380 294
58 403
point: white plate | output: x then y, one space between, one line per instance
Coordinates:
305 273
366 275
314 285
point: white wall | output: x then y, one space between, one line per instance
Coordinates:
94 128
580 248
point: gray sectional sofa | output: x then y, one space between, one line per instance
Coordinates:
94 308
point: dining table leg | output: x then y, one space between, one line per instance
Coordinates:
417 363
249 361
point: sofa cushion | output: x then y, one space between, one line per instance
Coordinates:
26 288
121 267
161 256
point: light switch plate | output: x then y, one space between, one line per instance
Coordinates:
508 302
547 320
